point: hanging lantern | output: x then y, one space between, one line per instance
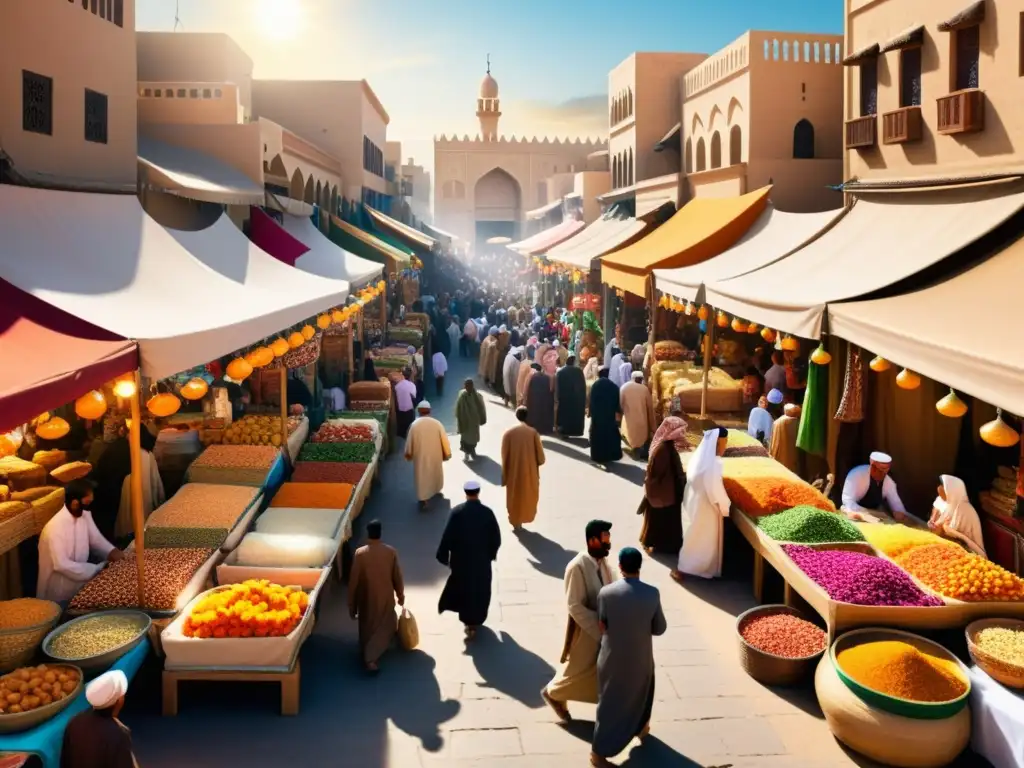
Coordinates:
166 404
53 429
196 389
879 365
753 327
820 356
702 313
721 319
997 432
295 340
308 332
951 405
124 387
338 317
768 335
91 405
323 322
42 418
739 325
907 379
789 344
279 347
261 356
238 369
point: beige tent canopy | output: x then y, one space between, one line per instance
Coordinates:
326 259
884 239
598 238
189 173
963 332
186 297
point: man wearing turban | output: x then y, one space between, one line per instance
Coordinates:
95 738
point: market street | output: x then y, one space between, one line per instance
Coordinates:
442 706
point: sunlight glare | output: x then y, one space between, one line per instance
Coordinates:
279 19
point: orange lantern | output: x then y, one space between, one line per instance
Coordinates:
721 319
739 325
196 389
238 369
166 404
768 335
53 429
907 379
308 332
951 406
789 344
820 356
753 327
997 432
261 356
279 347
91 405
42 418
295 340
338 316
323 322
702 313
879 364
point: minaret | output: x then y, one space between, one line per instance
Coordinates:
488 105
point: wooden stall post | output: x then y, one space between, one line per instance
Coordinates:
709 341
135 486
352 368
384 310
284 407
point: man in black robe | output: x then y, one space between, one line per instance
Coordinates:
540 401
570 398
95 738
468 546
605 414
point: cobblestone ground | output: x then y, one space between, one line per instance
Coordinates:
448 705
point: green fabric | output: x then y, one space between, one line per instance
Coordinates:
393 240
354 245
811 435
470 414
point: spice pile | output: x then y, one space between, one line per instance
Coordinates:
29 688
809 525
761 486
783 634
25 612
895 539
234 464
204 505
952 572
343 433
360 453
329 472
254 608
905 669
188 538
313 495
168 572
852 577
94 636
1002 643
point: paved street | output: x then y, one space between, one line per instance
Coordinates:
444 705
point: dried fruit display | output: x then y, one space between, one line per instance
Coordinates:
29 688
168 572
329 472
234 464
343 433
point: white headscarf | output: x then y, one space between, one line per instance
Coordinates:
704 472
957 516
107 689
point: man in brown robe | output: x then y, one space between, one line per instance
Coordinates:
783 445
521 458
375 581
526 370
95 738
637 414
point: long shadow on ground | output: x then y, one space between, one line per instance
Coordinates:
509 668
546 556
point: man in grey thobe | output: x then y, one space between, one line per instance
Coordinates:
630 615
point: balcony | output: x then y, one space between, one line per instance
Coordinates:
861 132
902 125
961 112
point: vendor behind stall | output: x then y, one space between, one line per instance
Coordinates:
869 492
954 517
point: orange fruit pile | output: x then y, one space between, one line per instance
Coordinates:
254 608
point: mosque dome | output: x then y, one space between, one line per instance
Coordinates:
488 87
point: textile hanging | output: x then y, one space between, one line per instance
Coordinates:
851 407
811 434
268 235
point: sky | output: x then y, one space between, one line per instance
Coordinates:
425 58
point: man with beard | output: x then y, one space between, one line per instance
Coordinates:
570 399
585 575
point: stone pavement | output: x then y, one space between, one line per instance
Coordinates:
457 706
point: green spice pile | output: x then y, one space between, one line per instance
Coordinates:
361 453
809 525
94 636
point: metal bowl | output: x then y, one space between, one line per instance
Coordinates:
104 660
23 721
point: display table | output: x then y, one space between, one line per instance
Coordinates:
45 741
289 681
998 711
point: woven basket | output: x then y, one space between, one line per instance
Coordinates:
767 668
20 475
16 529
18 645
46 507
1010 675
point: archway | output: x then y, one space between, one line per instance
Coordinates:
308 195
276 168
716 150
735 145
803 140
688 167
497 200
297 190
701 156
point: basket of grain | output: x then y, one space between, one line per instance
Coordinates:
23 625
96 641
997 647
777 645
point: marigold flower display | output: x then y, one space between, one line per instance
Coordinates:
254 608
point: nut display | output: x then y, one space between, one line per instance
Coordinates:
203 505
29 688
236 457
94 636
168 572
188 538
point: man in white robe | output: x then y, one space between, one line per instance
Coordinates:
705 507
619 370
65 544
869 492
427 448
510 373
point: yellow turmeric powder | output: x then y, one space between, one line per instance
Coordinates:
904 669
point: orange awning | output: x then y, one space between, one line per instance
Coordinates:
699 230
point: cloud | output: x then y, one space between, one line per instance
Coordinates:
581 116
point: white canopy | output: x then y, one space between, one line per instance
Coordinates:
600 237
774 236
884 239
189 173
544 210
326 259
186 297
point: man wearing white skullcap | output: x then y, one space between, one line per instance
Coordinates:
869 490
427 447
95 738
